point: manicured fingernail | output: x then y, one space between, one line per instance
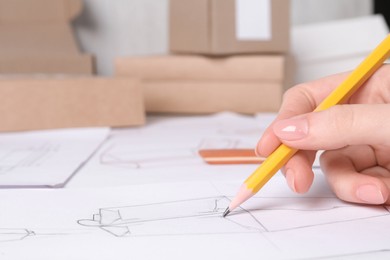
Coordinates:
291 129
290 179
370 194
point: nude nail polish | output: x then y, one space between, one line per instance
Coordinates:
290 179
291 129
370 194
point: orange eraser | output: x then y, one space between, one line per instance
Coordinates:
230 156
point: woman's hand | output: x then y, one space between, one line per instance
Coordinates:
355 137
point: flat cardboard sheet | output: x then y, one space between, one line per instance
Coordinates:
267 68
196 84
36 37
212 96
32 103
46 64
39 11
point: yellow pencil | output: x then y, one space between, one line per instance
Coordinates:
283 153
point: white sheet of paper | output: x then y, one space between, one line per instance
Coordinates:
332 47
183 221
337 40
175 211
46 158
166 149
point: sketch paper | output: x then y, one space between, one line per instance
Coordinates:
46 158
176 141
184 220
166 148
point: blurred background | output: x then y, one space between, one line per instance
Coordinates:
171 56
135 27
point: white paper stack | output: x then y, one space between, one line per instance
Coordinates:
327 48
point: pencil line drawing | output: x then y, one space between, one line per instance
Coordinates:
19 234
19 157
204 216
14 234
124 155
196 216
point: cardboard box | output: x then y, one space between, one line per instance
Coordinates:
38 11
24 64
37 36
335 46
229 26
194 67
194 97
32 103
45 39
195 84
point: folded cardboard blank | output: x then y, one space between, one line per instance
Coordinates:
196 67
196 84
36 37
212 96
62 102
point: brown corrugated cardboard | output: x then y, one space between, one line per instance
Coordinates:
209 27
24 64
60 102
213 96
193 67
39 11
39 32
193 84
45 39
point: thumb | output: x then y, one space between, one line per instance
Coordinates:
336 127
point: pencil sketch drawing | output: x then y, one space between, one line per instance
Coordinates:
204 216
15 157
19 234
13 234
196 216
171 154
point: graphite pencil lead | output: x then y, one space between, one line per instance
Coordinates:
227 211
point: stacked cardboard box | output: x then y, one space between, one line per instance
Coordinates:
229 26
46 102
246 42
197 84
36 37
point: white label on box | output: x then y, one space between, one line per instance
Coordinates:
253 20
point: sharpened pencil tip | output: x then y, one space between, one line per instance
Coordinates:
227 211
